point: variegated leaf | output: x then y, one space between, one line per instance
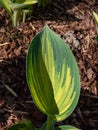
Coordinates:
52 75
66 127
96 18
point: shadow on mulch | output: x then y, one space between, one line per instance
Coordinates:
15 99
56 11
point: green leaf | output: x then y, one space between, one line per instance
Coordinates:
96 18
27 2
18 8
97 38
27 11
52 75
6 6
21 4
16 17
24 125
66 127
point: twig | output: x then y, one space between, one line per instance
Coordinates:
91 96
6 43
10 90
21 112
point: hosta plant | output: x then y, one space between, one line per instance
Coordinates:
19 9
53 79
96 20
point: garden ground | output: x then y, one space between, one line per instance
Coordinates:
73 21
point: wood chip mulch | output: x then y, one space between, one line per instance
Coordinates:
73 21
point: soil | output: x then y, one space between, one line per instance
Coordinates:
73 21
